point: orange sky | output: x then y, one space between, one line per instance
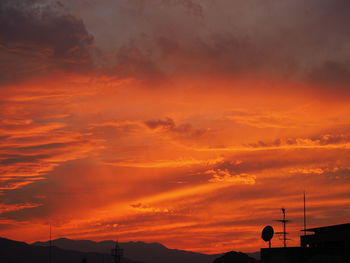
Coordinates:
193 137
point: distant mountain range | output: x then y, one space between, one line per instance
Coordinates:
20 252
78 251
140 251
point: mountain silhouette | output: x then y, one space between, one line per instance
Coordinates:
138 251
235 257
20 252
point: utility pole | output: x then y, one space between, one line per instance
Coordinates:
117 253
284 228
50 246
304 214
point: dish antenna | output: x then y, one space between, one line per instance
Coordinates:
267 234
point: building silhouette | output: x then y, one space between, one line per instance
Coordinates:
337 236
328 244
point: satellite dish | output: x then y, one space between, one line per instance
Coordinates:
267 234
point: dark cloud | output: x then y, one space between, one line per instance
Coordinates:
338 173
332 73
166 39
130 61
160 40
192 7
169 125
37 36
321 140
21 159
47 146
32 26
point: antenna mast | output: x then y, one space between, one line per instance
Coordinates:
304 214
117 252
50 246
284 222
284 228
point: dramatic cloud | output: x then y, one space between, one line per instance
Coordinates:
168 125
38 36
224 39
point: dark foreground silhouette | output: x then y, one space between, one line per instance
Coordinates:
138 251
326 244
20 252
77 251
235 257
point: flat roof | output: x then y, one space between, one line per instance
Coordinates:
328 228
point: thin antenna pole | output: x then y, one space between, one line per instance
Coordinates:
117 253
284 228
304 214
50 246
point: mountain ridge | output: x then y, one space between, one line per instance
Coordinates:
138 250
12 251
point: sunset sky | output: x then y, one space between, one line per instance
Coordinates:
185 122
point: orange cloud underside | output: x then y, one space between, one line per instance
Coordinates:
194 164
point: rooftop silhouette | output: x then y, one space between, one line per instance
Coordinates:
326 244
